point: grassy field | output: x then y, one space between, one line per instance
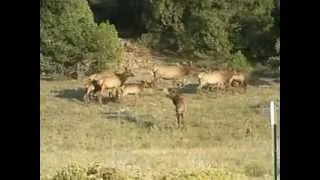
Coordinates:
230 131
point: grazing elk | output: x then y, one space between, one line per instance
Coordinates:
135 88
179 103
178 72
113 82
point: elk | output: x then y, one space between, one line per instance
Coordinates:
113 82
91 83
179 103
215 77
222 77
98 76
178 72
240 77
91 88
135 88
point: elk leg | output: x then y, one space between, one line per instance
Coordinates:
182 119
200 86
85 98
100 95
178 119
183 82
100 98
245 86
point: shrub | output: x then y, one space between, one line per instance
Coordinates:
238 60
107 47
205 174
70 41
93 172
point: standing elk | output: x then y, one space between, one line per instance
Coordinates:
106 81
239 77
113 83
222 78
91 83
91 87
218 78
179 103
176 73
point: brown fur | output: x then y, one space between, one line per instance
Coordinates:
113 83
178 72
179 102
91 87
239 76
217 78
135 88
222 77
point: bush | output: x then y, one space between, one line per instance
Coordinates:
93 172
108 48
205 174
96 172
71 172
70 41
239 61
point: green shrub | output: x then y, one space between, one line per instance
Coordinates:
93 172
204 174
70 41
107 47
238 60
71 172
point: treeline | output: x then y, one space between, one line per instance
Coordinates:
226 31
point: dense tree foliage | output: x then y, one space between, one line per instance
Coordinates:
225 31
71 42
214 28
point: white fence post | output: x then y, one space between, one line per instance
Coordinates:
274 137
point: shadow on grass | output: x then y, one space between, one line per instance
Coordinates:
189 89
265 73
259 82
70 94
78 94
144 121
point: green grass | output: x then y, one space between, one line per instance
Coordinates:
143 136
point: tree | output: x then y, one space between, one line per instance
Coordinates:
69 38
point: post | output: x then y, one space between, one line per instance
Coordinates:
274 137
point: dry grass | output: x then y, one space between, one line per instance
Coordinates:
142 136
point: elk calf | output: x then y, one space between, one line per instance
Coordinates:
179 103
135 88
